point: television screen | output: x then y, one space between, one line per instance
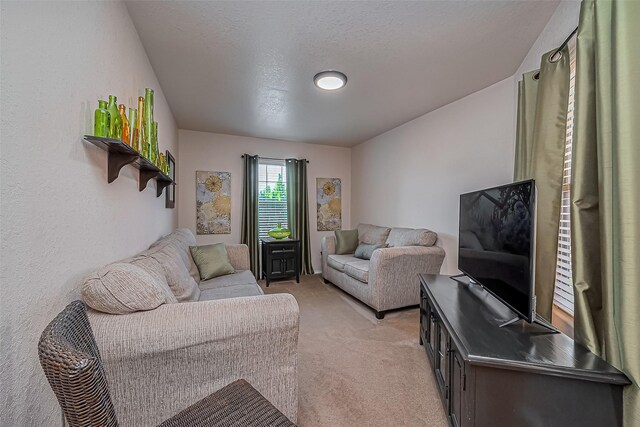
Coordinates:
496 243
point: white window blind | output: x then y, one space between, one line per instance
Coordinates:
563 294
272 196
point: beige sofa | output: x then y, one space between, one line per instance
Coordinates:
389 280
159 362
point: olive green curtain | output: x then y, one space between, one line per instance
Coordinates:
250 212
527 98
540 144
298 209
605 189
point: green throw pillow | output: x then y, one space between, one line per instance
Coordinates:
365 250
212 260
346 241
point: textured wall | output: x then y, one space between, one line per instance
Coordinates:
412 176
423 165
59 218
216 152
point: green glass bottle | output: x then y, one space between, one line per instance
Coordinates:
126 131
101 120
153 147
155 141
115 125
133 128
142 138
161 162
148 120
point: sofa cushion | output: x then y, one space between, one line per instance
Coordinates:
121 288
212 260
245 277
338 261
234 291
152 267
346 241
373 234
167 260
411 237
359 270
182 238
365 250
239 256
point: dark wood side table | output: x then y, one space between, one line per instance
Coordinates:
280 259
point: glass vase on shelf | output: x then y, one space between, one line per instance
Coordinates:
148 119
161 162
153 146
126 133
133 125
142 137
115 120
101 120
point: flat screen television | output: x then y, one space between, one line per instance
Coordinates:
497 243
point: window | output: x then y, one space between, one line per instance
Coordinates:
563 293
272 195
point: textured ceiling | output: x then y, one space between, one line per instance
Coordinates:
246 68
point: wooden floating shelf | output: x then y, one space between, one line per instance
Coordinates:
121 154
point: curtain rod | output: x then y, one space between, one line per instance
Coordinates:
536 76
270 158
564 43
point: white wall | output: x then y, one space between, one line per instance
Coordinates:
412 176
59 218
216 152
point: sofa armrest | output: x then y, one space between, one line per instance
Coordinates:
239 256
161 361
393 274
327 247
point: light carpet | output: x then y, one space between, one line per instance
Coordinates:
355 370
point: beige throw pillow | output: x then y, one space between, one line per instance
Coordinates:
123 288
212 260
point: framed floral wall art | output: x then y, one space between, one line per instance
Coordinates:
329 203
213 202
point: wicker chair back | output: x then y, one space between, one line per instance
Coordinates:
71 362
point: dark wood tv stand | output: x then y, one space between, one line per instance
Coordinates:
519 375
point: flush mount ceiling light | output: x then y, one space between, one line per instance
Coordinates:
330 80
